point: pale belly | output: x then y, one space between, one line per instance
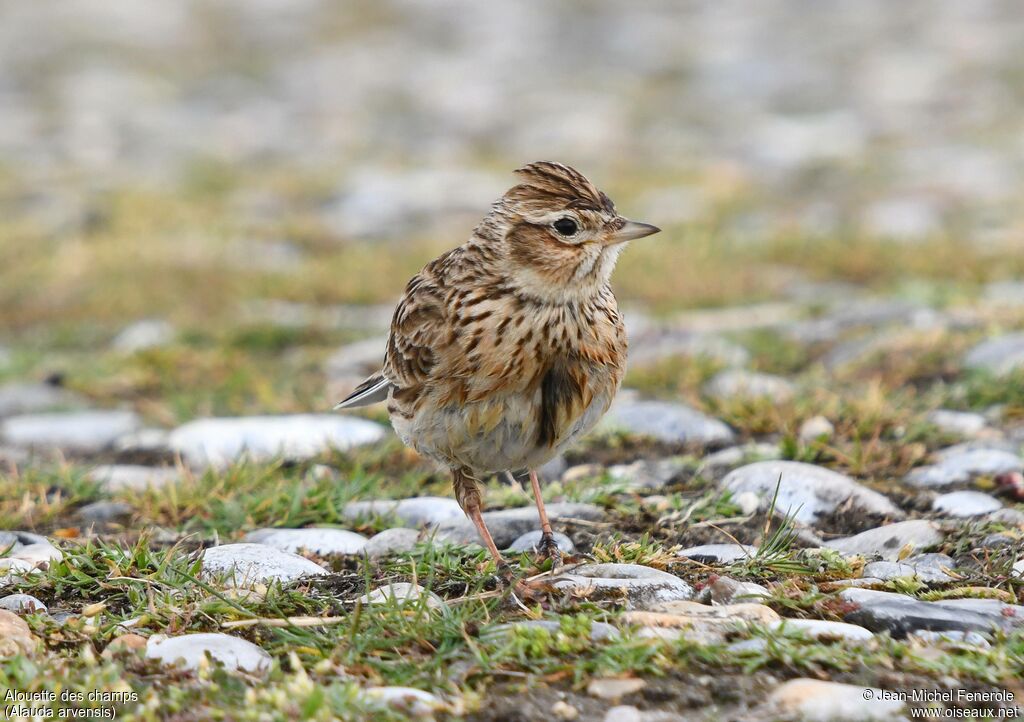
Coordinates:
497 434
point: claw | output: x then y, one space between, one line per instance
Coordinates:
548 549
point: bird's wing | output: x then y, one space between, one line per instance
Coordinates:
370 391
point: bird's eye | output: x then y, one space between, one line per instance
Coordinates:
566 226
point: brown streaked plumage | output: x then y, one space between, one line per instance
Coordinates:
507 349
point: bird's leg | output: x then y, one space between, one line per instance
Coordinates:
467 493
548 547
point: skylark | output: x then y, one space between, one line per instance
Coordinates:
507 349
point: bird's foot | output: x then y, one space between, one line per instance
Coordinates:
548 549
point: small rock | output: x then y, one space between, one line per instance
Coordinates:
401 593
814 700
806 491
887 541
958 423
699 622
113 479
15 636
219 442
725 590
824 630
640 586
973 639
740 384
528 542
667 422
141 335
599 631
718 553
966 503
929 568
22 604
414 512
21 398
82 432
648 475
1000 355
190 651
614 688
900 614
720 463
320 541
125 644
659 345
816 428
391 541
104 512
564 710
960 466
250 564
410 701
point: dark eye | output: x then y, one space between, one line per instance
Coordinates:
566 226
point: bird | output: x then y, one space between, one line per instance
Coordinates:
505 350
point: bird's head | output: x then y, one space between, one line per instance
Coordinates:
559 235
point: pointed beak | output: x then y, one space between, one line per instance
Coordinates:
632 230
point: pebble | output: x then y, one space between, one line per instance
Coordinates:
104 512
141 335
638 586
699 622
320 541
408 700
816 428
401 593
726 590
528 542
973 639
823 630
900 614
83 432
718 553
815 700
29 398
391 541
222 441
887 541
15 636
966 503
415 512
958 423
614 688
959 466
507 525
929 568
720 463
599 631
22 604
649 474
659 345
250 564
190 650
734 384
1000 355
669 423
629 713
806 491
124 477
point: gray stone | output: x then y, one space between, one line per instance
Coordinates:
660 345
1000 355
960 466
190 651
148 333
402 593
929 568
816 428
122 477
599 631
724 591
806 491
648 474
823 630
508 525
966 503
320 541
666 422
72 431
955 638
959 423
815 700
221 441
391 541
720 463
907 219
249 564
414 512
528 542
101 512
741 384
21 398
887 541
145 441
408 700
638 586
22 604
900 614
718 553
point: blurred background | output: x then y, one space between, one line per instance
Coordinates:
202 201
